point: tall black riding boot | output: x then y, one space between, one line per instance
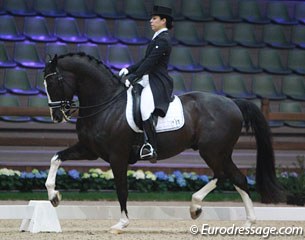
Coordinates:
148 150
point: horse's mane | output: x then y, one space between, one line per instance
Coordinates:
90 59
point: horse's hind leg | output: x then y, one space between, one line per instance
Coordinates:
76 152
241 185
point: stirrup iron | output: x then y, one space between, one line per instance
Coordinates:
151 151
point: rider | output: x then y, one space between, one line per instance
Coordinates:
151 72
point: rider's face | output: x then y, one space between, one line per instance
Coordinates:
157 23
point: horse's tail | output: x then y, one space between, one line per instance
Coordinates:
266 182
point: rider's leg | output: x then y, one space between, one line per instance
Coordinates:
148 150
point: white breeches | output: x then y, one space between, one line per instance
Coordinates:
147 99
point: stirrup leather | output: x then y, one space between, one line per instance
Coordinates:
150 149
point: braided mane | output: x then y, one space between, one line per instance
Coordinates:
90 59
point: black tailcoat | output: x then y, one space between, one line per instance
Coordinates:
155 64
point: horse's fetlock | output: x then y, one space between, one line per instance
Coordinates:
196 198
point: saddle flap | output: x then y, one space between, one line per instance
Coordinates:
173 120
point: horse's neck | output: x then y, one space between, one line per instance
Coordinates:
94 82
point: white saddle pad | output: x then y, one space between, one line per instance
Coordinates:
173 120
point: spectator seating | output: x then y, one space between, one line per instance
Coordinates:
270 61
36 29
215 34
40 101
118 56
234 86
9 30
16 81
299 11
240 60
67 30
127 33
222 10
5 60
186 33
278 13
18 7
250 11
179 84
26 55
274 36
298 36
97 31
7 100
263 87
245 35
294 87
292 107
212 60
48 8
181 59
39 81
136 9
204 82
296 61
78 8
55 48
108 9
194 10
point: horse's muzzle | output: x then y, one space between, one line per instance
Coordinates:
57 115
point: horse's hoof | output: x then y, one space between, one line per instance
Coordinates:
56 199
116 231
249 223
196 214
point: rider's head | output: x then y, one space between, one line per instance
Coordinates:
165 15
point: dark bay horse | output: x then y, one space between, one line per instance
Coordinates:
213 125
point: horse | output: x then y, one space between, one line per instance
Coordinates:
213 124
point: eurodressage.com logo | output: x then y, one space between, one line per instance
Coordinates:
264 232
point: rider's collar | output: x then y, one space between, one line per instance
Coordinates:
158 32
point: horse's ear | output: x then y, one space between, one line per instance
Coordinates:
54 60
49 58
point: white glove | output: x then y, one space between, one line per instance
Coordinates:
123 71
127 83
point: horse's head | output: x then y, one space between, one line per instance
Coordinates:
60 94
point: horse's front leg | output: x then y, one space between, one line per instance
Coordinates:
119 167
76 152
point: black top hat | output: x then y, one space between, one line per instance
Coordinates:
161 10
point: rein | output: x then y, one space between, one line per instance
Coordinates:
68 107
103 105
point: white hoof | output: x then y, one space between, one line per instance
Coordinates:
249 223
118 228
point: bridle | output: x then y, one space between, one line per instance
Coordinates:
68 107
65 105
